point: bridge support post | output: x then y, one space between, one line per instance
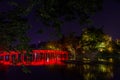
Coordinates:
4 58
35 57
10 58
22 58
17 57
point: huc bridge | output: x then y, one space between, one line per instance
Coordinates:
36 57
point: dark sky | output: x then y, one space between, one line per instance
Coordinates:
109 17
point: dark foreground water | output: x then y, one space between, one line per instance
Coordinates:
63 72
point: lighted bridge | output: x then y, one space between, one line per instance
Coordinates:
36 57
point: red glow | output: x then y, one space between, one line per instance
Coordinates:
36 57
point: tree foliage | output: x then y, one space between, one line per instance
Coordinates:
54 13
90 38
14 21
13 28
51 11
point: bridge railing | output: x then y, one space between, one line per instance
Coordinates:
36 57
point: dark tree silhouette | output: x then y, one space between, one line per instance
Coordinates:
14 20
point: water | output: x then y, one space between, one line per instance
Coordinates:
63 72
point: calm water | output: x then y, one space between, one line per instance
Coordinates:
63 72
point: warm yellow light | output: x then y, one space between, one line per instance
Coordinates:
83 52
102 45
86 67
86 59
89 76
99 59
70 65
110 49
102 68
101 49
111 60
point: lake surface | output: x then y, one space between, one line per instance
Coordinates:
62 72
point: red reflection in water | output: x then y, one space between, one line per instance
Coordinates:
3 68
36 57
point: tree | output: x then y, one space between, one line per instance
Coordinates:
13 29
90 37
54 45
95 43
70 44
14 21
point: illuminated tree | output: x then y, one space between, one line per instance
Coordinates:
54 45
118 46
105 45
96 44
90 37
70 44
116 49
93 40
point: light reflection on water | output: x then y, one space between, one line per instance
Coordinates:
94 71
66 72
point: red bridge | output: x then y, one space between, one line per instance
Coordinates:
36 57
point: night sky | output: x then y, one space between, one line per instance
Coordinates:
109 17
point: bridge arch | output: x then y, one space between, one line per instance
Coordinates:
35 57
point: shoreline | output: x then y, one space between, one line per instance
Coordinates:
86 62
